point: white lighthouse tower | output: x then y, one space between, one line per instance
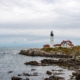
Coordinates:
51 39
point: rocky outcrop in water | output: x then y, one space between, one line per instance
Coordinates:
68 63
18 78
32 63
39 52
75 75
49 72
10 71
54 78
78 75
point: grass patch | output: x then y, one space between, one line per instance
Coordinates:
72 50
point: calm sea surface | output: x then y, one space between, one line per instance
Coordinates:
10 60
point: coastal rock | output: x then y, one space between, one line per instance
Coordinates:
49 72
74 73
46 79
39 52
54 78
4 53
32 63
10 71
16 78
27 74
26 79
35 74
78 75
19 74
33 69
68 63
33 52
57 73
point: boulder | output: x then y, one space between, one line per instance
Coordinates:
32 63
19 74
10 71
33 69
16 78
78 75
54 78
49 72
26 74
74 73
35 74
46 79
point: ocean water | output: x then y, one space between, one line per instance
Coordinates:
10 60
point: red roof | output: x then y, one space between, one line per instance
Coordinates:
46 45
66 41
70 44
57 45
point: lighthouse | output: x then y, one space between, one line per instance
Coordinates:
51 39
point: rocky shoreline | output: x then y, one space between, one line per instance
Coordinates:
68 64
42 53
65 61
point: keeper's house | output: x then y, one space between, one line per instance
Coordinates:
65 43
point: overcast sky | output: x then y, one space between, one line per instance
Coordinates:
29 22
